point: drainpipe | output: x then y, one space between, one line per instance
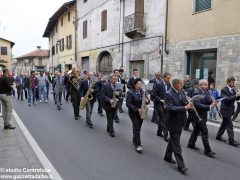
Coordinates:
123 33
50 48
75 31
166 29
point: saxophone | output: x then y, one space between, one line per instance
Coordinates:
143 106
115 100
88 96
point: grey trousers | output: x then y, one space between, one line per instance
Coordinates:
7 108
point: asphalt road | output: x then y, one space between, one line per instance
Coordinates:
80 153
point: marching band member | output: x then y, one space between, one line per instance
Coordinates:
99 85
58 84
158 94
75 96
84 89
191 115
202 107
110 101
134 103
130 81
227 109
123 81
176 106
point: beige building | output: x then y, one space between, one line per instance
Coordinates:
6 53
37 60
61 33
203 39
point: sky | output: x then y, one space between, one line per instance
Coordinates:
24 21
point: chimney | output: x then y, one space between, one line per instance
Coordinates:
38 47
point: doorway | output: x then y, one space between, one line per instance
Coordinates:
202 65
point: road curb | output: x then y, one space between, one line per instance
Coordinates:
36 149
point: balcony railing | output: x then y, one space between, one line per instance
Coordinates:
134 22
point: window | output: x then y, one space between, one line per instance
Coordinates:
202 5
104 21
56 48
84 1
53 50
69 16
69 42
61 21
3 50
62 44
85 29
40 61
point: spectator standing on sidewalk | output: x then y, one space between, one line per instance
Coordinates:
5 97
214 93
31 85
19 86
42 82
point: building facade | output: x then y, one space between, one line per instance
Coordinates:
6 53
61 31
203 39
120 34
37 60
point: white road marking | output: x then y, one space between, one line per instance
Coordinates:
209 123
38 151
218 125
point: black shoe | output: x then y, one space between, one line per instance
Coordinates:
183 170
170 160
210 154
120 110
79 116
90 124
220 139
193 147
76 118
186 129
235 144
112 134
160 134
100 114
59 108
60 103
166 138
153 121
117 120
9 126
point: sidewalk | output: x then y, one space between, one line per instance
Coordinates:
16 156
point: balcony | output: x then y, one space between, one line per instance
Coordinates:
134 25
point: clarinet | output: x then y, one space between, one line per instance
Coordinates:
194 109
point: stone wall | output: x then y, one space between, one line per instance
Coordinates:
228 57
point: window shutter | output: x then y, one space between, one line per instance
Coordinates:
139 6
104 20
202 5
84 29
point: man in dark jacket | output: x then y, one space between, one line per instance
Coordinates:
99 86
130 81
227 109
158 94
108 92
176 106
5 97
191 113
202 107
155 80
